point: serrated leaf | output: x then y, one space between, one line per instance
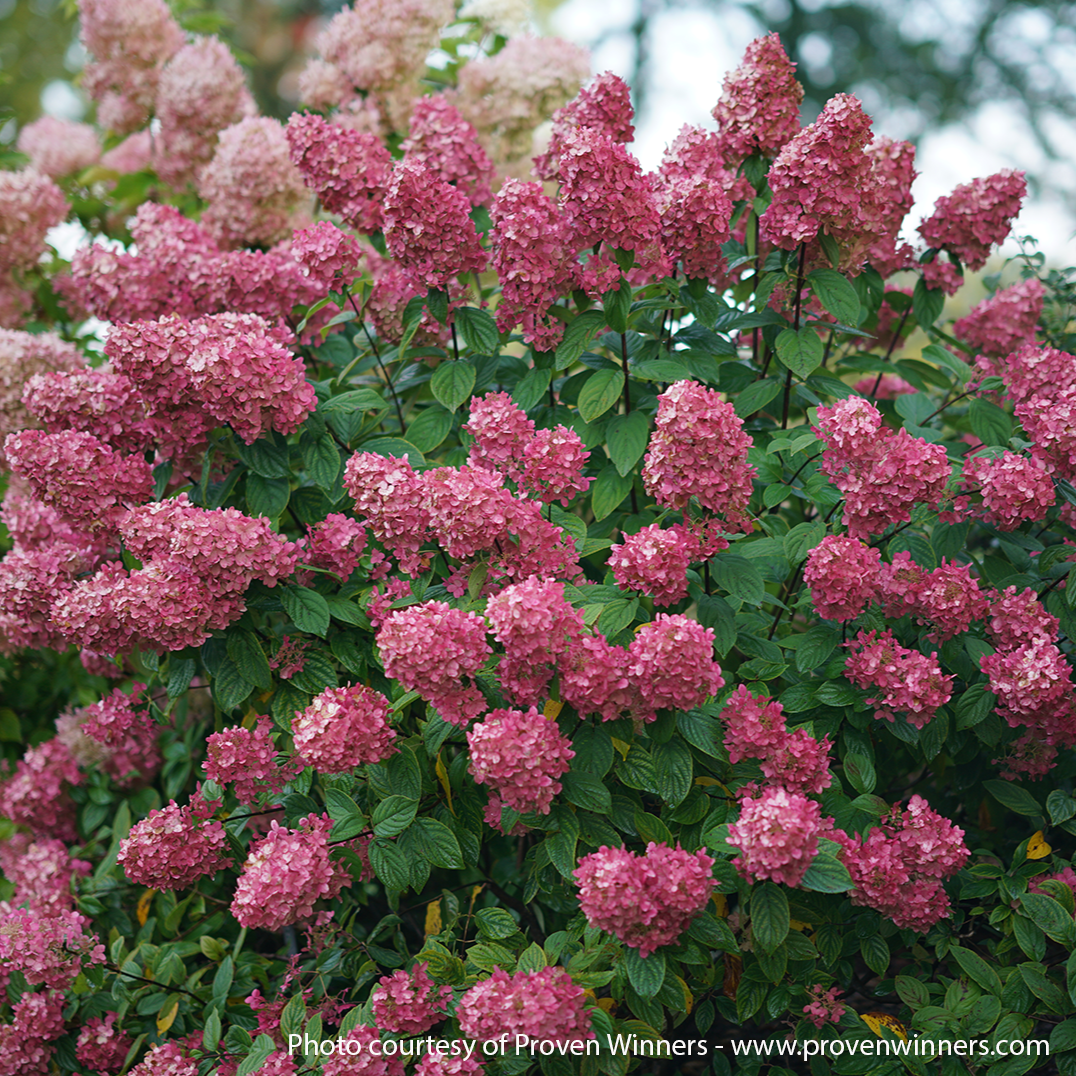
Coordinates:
977 969
577 335
756 396
1014 797
247 653
478 329
927 304
430 428
393 815
531 388
608 491
739 577
389 864
674 770
770 917
827 874
452 383
587 791
230 687
836 295
308 610
645 974
989 423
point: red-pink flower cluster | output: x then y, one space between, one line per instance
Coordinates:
166 1059
1013 488
655 562
37 1021
245 758
825 1006
36 794
48 949
756 728
325 253
1005 321
363 1059
553 465
336 544
101 1046
171 849
409 1002
521 756
389 497
285 874
695 221
646 900
907 682
699 449
30 204
432 648
441 139
542 1004
57 147
342 728
882 474
893 172
899 867
428 228
759 109
347 170
978 215
671 663
777 834
842 574
42 872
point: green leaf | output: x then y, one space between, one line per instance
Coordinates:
977 969
989 423
531 388
452 383
827 874
617 303
587 791
478 329
393 815
1048 916
348 820
608 491
818 642
230 686
438 844
625 439
756 396
927 304
660 370
577 335
943 357
875 953
265 457
1046 991
389 864
836 295
1014 797
912 992
674 769
308 610
496 923
1061 806
770 918
430 428
645 974
973 706
801 352
259 1054
180 674
600 392
249 657
321 458
396 447
1063 1036
739 577
355 400
267 496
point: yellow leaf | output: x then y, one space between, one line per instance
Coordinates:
442 776
433 917
167 1019
622 747
250 718
721 905
689 1001
877 1020
1037 848
708 782
796 924
143 906
607 1005
590 995
552 709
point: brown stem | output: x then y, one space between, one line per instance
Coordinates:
381 365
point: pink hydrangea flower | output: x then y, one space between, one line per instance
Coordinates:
1032 371
30 204
25 1043
202 91
1005 321
695 221
285 874
699 449
520 755
594 679
777 834
906 681
1050 421
325 253
898 868
825 1006
47 949
888 388
443 140
1016 618
535 625
603 105
655 562
342 728
58 147
671 663
362 1059
245 758
882 474
975 217
534 258
166 1059
501 433
169 849
759 109
646 900
436 1064
101 1046
428 228
409 1002
893 173
346 169
432 648
843 576
542 1004
335 543
553 465
36 794
41 872
389 497
1033 686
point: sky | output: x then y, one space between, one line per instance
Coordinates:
693 50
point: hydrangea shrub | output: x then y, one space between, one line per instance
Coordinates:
462 587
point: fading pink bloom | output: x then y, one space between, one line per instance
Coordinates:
1005 321
58 147
777 834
